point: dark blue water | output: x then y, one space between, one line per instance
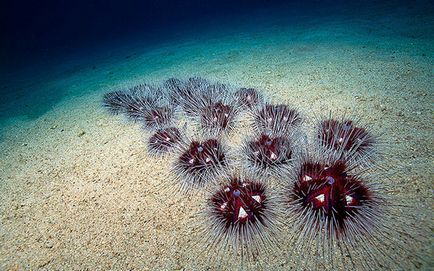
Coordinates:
32 29
39 37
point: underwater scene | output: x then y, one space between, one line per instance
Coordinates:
216 135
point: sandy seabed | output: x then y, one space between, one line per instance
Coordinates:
79 192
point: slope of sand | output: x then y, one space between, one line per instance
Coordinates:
78 191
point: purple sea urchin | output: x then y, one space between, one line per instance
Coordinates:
336 211
155 109
145 103
248 97
218 117
208 103
333 197
346 139
116 101
200 163
269 155
158 117
239 220
141 100
276 119
195 94
164 141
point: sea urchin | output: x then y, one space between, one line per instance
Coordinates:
240 217
346 139
164 140
276 119
332 209
217 118
269 155
248 97
200 163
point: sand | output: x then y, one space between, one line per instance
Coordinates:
79 192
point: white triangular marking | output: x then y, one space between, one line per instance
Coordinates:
242 214
257 198
273 156
307 178
320 198
349 199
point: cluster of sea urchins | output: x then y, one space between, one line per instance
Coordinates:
334 213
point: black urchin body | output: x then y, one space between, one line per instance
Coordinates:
200 163
269 155
164 141
276 119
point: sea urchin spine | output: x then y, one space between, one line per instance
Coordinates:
193 95
143 102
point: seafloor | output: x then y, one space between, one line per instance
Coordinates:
78 190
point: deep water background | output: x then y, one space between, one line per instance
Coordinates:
42 40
